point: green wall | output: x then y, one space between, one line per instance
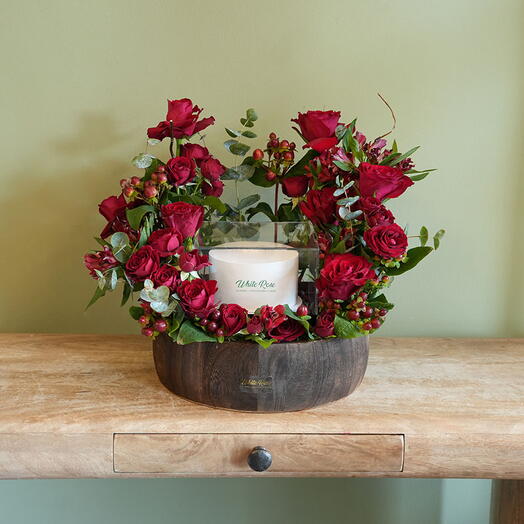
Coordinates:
81 80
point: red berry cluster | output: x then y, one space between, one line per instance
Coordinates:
366 317
134 187
212 323
280 154
151 326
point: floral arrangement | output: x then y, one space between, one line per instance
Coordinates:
341 184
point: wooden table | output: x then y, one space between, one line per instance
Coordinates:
91 406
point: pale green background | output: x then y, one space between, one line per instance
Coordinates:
81 80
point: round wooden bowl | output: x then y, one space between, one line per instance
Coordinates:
246 377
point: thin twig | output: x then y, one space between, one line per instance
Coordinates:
392 115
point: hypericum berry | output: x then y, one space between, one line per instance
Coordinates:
270 176
367 326
150 191
284 144
220 332
273 144
160 325
288 156
135 180
128 191
376 323
280 309
277 156
161 169
258 154
363 296
204 322
143 320
123 182
148 331
272 136
302 310
385 279
161 178
216 314
212 327
368 312
383 312
292 146
353 315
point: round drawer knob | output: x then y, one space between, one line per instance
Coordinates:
259 459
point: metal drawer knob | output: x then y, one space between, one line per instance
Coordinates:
259 459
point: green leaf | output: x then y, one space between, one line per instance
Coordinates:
99 293
345 328
303 320
251 115
438 236
102 242
259 178
299 167
136 312
214 203
135 215
414 256
126 293
340 131
423 235
248 201
240 173
286 213
249 134
247 123
146 230
232 133
404 156
342 165
239 149
189 333
264 342
264 208
380 302
422 176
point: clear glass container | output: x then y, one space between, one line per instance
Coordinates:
262 263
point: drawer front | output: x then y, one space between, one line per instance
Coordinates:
199 453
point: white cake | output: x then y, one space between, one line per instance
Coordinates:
252 277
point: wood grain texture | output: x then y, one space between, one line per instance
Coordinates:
244 376
507 502
227 454
459 403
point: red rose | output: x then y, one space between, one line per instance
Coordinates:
320 206
193 261
211 168
287 331
272 317
113 209
234 318
213 188
382 181
255 325
387 241
342 275
375 213
166 241
318 128
325 326
182 119
185 218
195 152
180 170
166 276
295 186
100 260
143 263
197 297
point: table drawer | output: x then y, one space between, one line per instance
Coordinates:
210 454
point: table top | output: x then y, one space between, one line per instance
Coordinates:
438 392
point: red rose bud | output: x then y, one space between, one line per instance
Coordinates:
100 260
193 261
255 326
168 276
325 326
234 318
318 128
382 181
197 297
302 311
295 186
258 154
160 326
320 206
113 209
150 192
287 331
185 218
342 275
142 264
387 241
181 121
167 241
180 170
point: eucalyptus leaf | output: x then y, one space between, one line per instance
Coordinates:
264 208
143 160
247 123
214 203
347 201
113 281
232 133
239 149
251 115
153 141
249 134
438 236
248 201
423 235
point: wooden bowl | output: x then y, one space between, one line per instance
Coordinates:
246 377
